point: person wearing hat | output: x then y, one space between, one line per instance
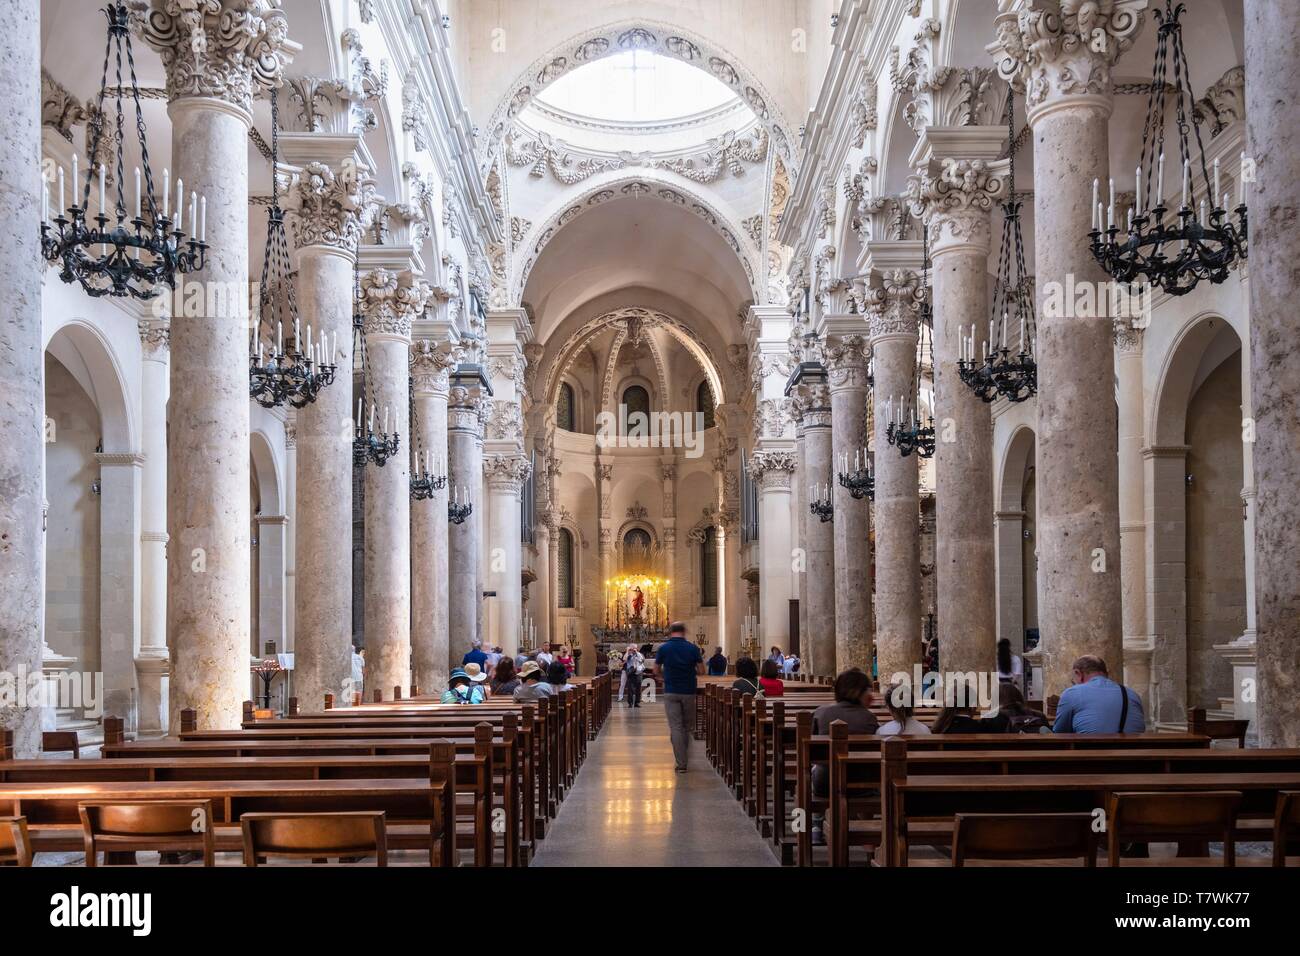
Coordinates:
480 676
532 683
462 689
679 661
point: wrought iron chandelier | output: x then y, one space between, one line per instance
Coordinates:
861 481
137 254
1002 372
368 446
294 377
821 503
458 510
905 431
428 475
1201 240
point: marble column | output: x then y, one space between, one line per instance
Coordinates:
846 365
430 652
22 386
956 197
331 207
465 474
1272 90
819 541
389 303
541 591
506 475
208 594
119 580
1064 65
773 471
892 319
151 660
1138 645
271 554
290 535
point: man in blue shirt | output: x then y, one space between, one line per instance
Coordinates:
679 661
475 656
1095 704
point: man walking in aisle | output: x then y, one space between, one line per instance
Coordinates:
678 662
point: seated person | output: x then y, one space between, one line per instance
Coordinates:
461 690
557 675
718 663
505 679
1096 704
746 677
899 702
961 704
531 683
1020 718
770 679
479 677
853 706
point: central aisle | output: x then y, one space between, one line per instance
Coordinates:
629 808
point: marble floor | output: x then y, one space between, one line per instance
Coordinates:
629 808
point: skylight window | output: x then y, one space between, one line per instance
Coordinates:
636 87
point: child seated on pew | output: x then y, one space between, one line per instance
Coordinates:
899 702
461 690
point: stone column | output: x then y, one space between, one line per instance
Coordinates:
212 73
465 475
271 551
430 651
1138 645
389 303
1165 511
1272 90
22 378
331 207
846 364
151 659
819 541
668 538
956 196
290 535
773 470
506 475
1065 67
119 579
541 591
892 319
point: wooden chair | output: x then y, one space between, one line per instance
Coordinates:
1198 723
15 844
1286 824
53 741
168 826
315 836
1024 836
1197 816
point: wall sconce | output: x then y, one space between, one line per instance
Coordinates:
1028 533
96 487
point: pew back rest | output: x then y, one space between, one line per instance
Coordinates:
314 835
1137 816
15 844
54 741
1024 836
147 825
1286 824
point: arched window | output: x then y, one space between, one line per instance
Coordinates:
564 575
704 403
564 416
709 569
636 411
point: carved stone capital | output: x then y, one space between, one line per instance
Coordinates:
431 368
229 50
846 362
1055 49
773 469
332 208
955 196
1128 337
155 338
390 301
506 473
894 305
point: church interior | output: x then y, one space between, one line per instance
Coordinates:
760 365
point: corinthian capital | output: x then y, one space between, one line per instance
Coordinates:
772 469
226 49
846 361
390 301
332 208
894 304
1058 48
955 197
431 368
506 472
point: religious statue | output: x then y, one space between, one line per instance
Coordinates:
638 603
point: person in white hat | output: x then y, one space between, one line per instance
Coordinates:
532 683
479 678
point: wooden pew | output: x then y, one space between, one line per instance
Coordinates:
419 805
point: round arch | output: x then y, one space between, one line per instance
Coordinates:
1207 339
618 185
1016 461
83 349
652 37
266 472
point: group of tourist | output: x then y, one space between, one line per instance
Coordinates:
487 674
